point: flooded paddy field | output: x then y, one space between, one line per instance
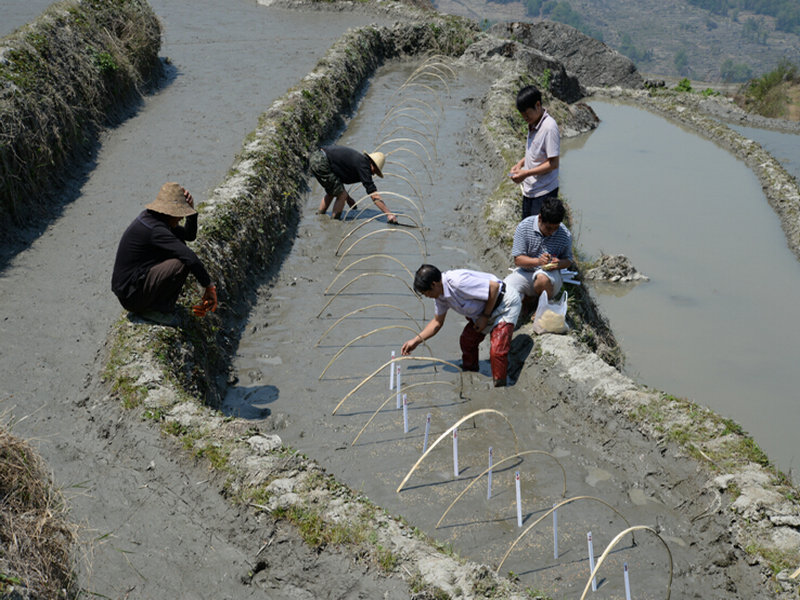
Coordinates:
713 324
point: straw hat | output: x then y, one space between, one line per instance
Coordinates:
378 159
171 201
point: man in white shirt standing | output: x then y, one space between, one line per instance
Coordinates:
489 306
537 171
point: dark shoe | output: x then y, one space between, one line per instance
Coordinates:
160 318
500 382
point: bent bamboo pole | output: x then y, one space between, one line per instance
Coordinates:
549 512
439 60
405 139
370 257
513 456
614 542
357 277
363 308
393 395
384 193
451 428
402 164
422 251
364 335
411 185
795 575
398 110
396 360
425 136
419 158
410 81
430 89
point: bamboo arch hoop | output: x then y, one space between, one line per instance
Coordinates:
397 360
414 76
419 158
404 114
364 335
427 87
446 433
373 218
422 251
362 275
439 60
400 163
363 308
411 185
548 513
380 408
417 132
615 541
795 575
513 456
360 260
405 139
385 193
435 67
399 110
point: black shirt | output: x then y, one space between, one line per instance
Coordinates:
149 241
351 166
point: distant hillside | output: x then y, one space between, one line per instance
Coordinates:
669 38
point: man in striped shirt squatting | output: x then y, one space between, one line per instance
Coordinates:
542 247
486 302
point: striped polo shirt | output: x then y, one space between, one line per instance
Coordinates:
529 241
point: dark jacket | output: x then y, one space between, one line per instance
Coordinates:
351 166
149 241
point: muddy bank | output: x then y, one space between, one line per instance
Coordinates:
75 69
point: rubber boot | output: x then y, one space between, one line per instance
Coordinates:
498 352
470 339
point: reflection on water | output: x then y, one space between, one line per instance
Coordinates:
713 324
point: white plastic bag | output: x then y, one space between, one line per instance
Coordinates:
551 317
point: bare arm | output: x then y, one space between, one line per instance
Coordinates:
430 330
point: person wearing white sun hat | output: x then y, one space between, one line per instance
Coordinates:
334 166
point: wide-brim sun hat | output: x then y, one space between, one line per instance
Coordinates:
171 201
378 159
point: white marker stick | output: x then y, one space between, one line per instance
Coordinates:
591 560
455 452
391 372
519 500
489 479
627 581
427 431
399 399
405 414
555 532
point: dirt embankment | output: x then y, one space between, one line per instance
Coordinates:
76 68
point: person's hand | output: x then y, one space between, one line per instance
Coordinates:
391 219
481 322
188 197
517 175
545 259
409 346
208 303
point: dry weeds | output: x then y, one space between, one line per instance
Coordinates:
36 540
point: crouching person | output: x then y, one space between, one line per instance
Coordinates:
153 259
542 247
487 304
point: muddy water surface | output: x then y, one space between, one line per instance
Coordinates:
281 357
785 147
714 324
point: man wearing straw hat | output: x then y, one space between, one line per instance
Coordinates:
489 306
335 166
153 259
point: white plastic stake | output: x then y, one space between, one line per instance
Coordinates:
591 560
391 372
519 500
399 398
489 479
455 452
427 431
555 532
405 414
627 582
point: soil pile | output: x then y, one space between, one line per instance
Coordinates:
616 268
